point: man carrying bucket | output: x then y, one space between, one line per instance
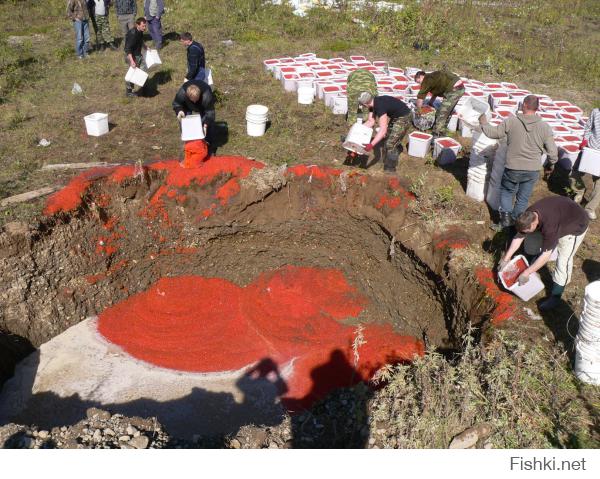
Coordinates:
591 139
134 43
394 120
196 69
359 80
563 225
440 83
195 96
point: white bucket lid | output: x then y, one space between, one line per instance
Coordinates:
257 109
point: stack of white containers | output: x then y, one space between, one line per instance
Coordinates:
256 120
325 79
587 344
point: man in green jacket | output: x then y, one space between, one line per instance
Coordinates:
359 81
528 137
440 83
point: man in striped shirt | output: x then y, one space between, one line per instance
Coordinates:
591 139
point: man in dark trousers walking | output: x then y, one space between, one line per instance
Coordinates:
196 64
134 43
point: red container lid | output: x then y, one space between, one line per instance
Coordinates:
357 57
563 103
306 75
420 136
447 142
271 61
325 73
499 94
286 60
400 86
331 88
476 93
504 113
560 128
494 86
573 109
570 147
569 138
569 117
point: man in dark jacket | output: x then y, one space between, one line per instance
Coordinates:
134 43
99 14
195 96
126 12
528 137
196 65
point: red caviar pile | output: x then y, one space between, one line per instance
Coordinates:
506 305
293 314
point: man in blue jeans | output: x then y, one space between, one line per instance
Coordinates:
528 137
77 11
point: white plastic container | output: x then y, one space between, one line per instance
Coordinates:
446 150
475 188
96 124
137 76
590 163
527 291
358 136
419 144
191 128
453 123
340 105
290 82
151 58
587 362
306 95
470 111
256 120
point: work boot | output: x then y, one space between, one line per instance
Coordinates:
390 162
505 222
129 93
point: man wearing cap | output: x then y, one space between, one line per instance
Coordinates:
393 117
440 83
563 225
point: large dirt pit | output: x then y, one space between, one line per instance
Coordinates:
232 285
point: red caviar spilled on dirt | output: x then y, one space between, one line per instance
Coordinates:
292 316
506 305
395 196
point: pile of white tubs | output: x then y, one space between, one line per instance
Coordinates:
587 343
256 120
325 79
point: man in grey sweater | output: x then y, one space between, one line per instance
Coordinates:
528 137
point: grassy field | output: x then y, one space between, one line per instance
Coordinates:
547 47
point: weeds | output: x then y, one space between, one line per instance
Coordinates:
527 394
444 195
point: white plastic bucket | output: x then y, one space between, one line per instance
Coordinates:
290 82
358 136
96 124
419 144
151 58
446 150
590 163
527 291
453 123
191 128
475 189
587 362
256 120
340 105
470 111
306 95
137 76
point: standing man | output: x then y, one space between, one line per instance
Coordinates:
393 117
591 139
99 14
195 96
126 12
563 224
196 64
359 80
440 83
134 44
527 137
77 11
153 10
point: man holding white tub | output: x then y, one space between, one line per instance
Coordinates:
591 139
196 97
563 225
134 44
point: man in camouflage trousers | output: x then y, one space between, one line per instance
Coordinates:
359 81
440 83
394 119
99 14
